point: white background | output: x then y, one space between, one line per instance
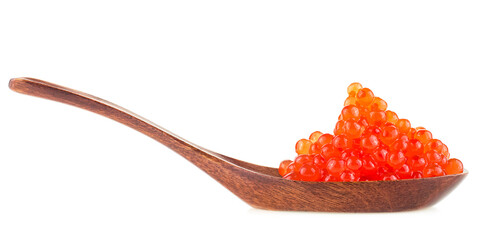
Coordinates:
244 78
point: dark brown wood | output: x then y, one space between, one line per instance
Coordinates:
262 187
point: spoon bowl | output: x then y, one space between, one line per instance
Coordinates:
259 186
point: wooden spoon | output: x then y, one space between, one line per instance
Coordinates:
262 187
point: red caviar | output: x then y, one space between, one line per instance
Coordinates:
369 143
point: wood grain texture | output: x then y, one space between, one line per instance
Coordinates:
262 187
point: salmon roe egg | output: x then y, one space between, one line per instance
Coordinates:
309 172
314 136
329 151
339 128
315 148
454 166
433 170
403 125
404 172
353 88
336 166
377 118
325 138
391 117
378 104
353 129
365 97
319 161
380 155
303 146
423 135
369 143
354 163
350 113
283 167
389 134
396 159
301 160
372 130
399 145
342 142
417 163
350 101
444 151
435 145
414 148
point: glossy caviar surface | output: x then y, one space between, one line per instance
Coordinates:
369 143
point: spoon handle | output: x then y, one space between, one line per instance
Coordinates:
43 89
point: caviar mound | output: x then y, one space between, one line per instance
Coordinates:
369 143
